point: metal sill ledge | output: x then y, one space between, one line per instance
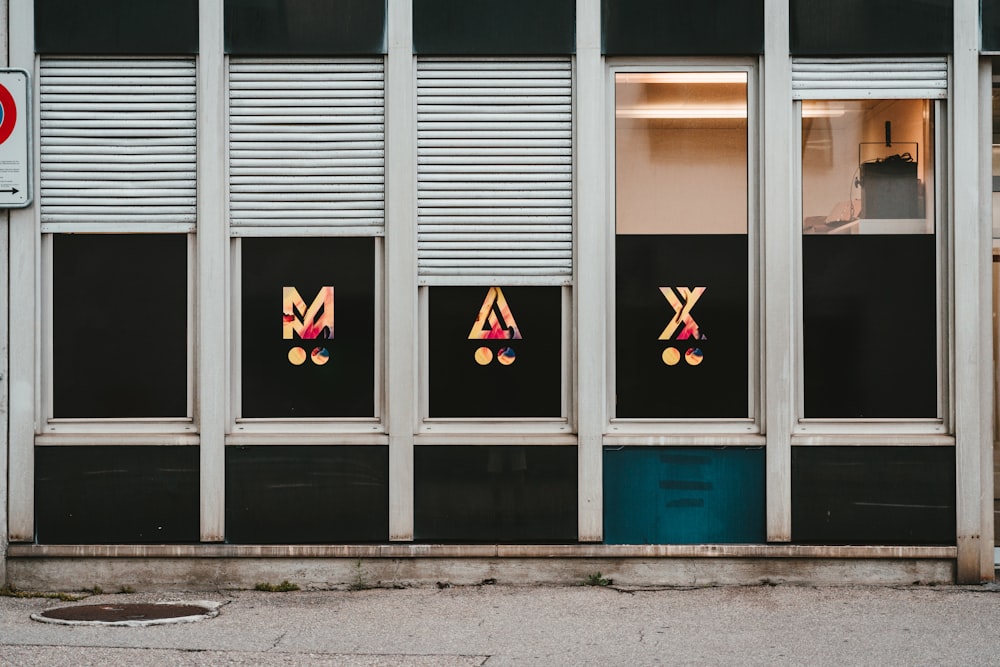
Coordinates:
475 551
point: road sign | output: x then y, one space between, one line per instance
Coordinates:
15 154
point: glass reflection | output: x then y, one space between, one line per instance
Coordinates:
867 167
681 152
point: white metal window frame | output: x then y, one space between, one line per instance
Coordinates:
874 79
680 431
514 430
491 431
179 430
152 430
243 431
306 430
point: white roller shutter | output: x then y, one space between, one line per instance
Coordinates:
495 170
117 143
857 78
307 143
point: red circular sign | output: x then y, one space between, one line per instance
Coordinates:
9 117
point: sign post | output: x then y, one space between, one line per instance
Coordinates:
15 153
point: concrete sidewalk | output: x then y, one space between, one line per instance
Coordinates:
506 625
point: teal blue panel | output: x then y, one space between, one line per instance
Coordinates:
684 495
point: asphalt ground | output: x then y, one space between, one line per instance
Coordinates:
496 625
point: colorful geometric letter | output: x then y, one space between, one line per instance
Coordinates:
495 321
316 321
682 312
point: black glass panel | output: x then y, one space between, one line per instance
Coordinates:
116 27
495 352
990 17
319 361
116 495
119 325
873 495
870 27
307 494
869 325
681 325
495 494
305 27
492 27
654 27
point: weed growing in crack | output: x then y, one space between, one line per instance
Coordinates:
284 587
597 579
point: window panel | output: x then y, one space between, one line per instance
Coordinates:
320 360
495 351
869 259
119 330
681 217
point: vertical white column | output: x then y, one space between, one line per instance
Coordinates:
987 417
779 232
24 287
212 272
401 266
4 350
972 302
592 266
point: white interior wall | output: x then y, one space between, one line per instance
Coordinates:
679 180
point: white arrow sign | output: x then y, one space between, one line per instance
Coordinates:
15 119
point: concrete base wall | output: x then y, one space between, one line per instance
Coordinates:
113 574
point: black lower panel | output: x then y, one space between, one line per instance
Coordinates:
121 495
873 495
307 494
495 494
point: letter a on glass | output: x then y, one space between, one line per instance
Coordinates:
495 321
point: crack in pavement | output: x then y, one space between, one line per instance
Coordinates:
275 643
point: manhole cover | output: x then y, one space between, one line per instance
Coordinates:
130 614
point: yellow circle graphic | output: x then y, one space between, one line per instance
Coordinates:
671 356
484 355
320 355
297 356
694 356
506 356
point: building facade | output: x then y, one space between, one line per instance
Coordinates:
679 294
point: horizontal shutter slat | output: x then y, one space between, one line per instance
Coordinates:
494 172
852 78
117 141
307 142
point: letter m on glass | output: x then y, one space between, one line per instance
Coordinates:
314 321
